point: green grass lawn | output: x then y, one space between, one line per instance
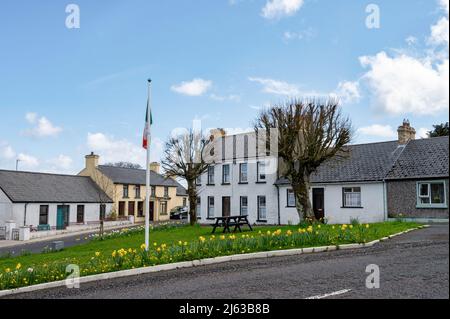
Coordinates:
84 252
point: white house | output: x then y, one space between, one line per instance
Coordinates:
50 201
241 182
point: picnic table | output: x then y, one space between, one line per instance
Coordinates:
231 221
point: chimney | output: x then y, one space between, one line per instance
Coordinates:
216 133
92 161
154 167
406 133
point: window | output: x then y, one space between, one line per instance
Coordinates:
163 208
351 197
137 191
102 211
80 214
291 198
153 193
43 215
211 175
431 194
140 209
246 147
199 180
166 191
243 173
244 205
184 202
262 211
125 191
226 174
261 172
210 207
199 206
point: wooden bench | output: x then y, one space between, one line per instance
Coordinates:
231 221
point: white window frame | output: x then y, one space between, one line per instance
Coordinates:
290 192
431 204
211 175
241 174
211 213
243 208
260 207
226 178
261 170
345 204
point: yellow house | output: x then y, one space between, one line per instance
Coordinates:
126 187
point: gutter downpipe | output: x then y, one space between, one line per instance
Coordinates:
25 215
278 200
385 200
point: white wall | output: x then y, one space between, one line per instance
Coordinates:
5 208
91 213
372 200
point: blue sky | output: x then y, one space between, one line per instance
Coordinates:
66 92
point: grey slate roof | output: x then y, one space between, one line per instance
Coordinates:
28 187
425 158
131 176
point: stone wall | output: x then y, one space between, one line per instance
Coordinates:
402 199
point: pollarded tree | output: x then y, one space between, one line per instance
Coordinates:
309 133
188 156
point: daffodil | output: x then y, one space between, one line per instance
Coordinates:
18 266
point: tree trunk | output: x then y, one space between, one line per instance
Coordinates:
303 202
192 194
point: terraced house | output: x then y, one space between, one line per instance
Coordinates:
407 177
126 186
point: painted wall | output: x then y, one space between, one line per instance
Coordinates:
6 211
372 199
402 199
235 190
91 213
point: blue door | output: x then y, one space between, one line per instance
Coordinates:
62 217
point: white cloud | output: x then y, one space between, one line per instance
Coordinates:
62 162
384 131
7 152
42 126
196 87
422 132
27 161
300 35
272 86
440 33
275 9
113 150
405 84
220 98
348 92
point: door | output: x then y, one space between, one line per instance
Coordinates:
121 209
226 206
131 208
152 211
319 202
62 217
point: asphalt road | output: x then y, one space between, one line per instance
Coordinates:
415 265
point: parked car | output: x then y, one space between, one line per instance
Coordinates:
179 213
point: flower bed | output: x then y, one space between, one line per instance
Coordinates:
203 247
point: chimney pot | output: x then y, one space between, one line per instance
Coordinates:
406 133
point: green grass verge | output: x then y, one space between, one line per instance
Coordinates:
174 244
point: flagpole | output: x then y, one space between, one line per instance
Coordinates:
147 189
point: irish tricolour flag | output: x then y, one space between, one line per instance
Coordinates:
147 129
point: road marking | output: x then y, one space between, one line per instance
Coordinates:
336 293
